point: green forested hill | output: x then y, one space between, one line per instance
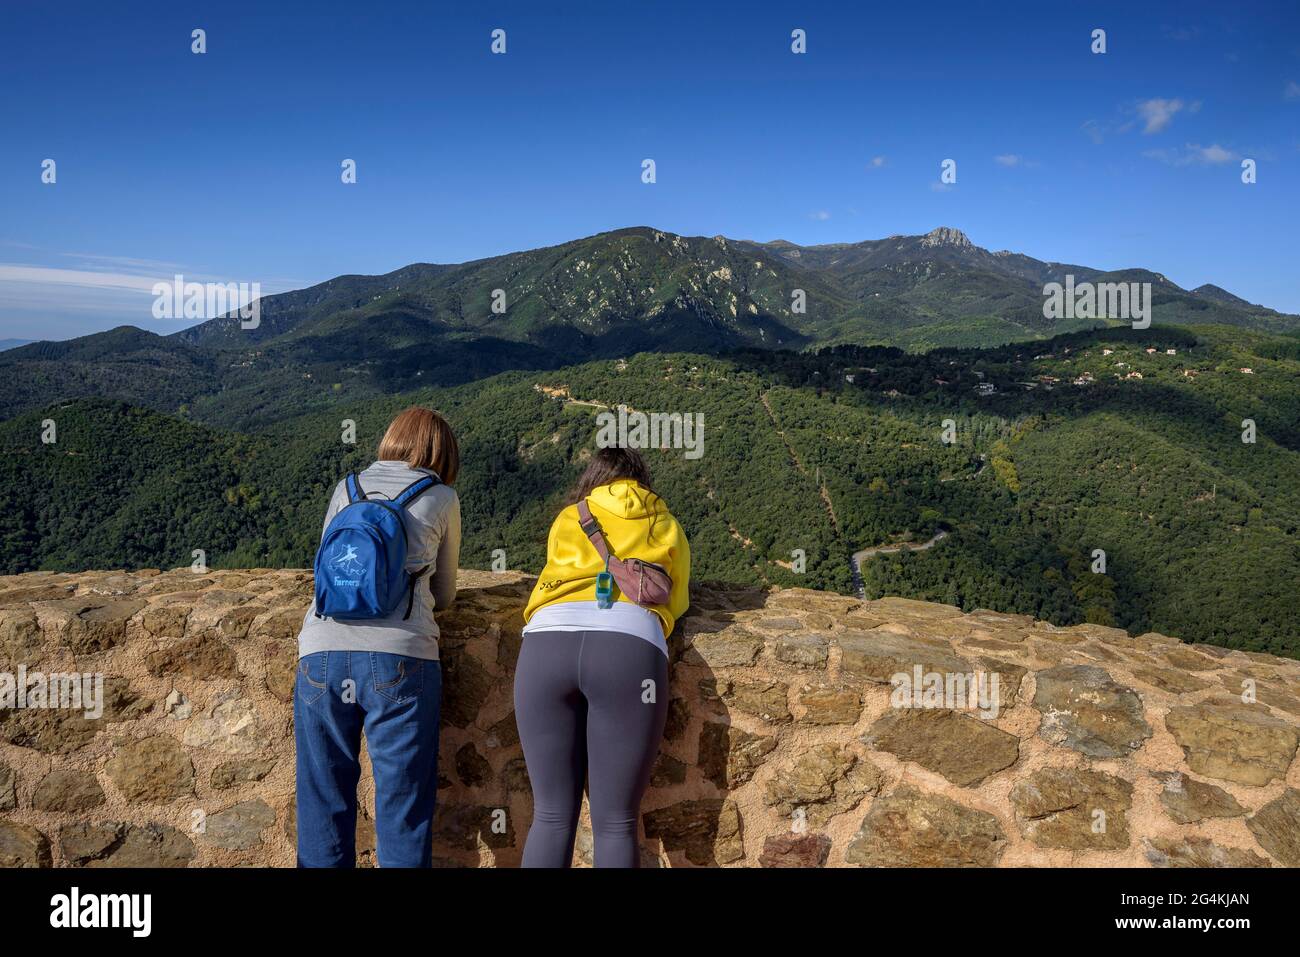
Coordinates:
1201 532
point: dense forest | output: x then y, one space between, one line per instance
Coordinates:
1033 460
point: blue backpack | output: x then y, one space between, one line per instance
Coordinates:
361 563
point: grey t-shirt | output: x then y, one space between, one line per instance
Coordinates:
432 538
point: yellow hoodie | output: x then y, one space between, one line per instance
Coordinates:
623 509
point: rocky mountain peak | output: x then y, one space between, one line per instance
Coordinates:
946 236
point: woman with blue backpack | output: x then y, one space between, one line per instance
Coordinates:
368 649
591 684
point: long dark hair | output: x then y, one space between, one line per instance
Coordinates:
610 465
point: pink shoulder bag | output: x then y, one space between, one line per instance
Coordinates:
645 583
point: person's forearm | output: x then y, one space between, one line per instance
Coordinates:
443 586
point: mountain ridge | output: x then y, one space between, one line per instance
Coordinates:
942 241
614 294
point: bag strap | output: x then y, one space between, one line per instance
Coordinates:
413 491
355 492
402 499
410 595
591 528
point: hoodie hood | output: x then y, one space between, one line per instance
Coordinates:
625 499
622 508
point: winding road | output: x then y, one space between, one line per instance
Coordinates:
865 554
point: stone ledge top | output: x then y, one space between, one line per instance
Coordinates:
859 719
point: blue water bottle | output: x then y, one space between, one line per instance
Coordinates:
605 588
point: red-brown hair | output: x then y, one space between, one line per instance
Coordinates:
423 440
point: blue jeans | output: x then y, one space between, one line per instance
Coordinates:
395 701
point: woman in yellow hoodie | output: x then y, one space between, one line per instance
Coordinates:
591 685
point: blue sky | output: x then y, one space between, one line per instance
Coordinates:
226 166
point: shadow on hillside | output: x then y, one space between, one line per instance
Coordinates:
677 330
913 376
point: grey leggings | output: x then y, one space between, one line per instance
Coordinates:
589 704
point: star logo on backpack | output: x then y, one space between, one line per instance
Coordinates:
345 562
361 563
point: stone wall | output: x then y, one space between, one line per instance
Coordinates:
782 747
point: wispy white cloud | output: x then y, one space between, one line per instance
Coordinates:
1292 91
1015 161
1157 113
1182 33
100 261
1215 154
132 274
40 302
84 278
125 263
94 291
877 162
1193 154
820 215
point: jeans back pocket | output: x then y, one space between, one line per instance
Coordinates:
311 684
397 677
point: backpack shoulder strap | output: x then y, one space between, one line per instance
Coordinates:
591 528
355 492
413 491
